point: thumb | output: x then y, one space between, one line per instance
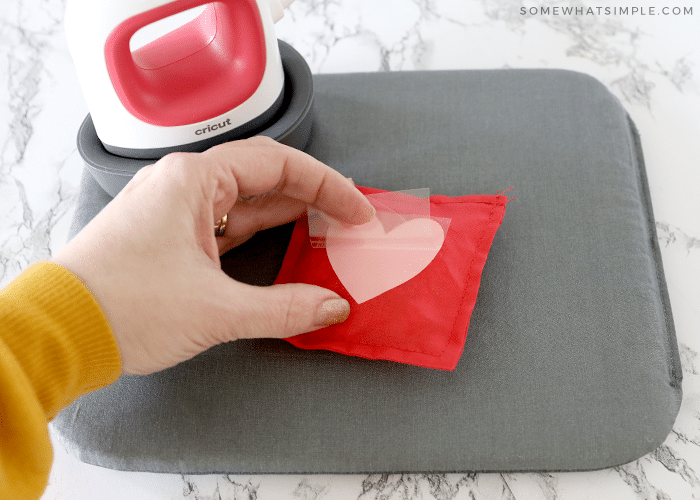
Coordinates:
285 310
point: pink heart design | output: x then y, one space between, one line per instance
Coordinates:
369 262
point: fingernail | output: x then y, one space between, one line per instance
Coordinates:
332 311
367 214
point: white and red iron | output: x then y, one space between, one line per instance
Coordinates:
217 74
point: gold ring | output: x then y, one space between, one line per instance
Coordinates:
220 227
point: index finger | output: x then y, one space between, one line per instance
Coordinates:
260 165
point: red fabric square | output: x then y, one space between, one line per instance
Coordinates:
422 322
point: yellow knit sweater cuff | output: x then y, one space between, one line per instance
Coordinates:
58 334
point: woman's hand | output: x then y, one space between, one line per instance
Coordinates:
151 259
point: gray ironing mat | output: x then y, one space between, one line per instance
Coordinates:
571 361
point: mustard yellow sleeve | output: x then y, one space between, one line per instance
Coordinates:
55 345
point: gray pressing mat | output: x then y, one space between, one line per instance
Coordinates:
571 361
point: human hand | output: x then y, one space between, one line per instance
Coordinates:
151 259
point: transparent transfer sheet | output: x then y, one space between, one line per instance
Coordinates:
394 247
393 209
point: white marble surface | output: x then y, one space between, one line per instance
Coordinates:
650 62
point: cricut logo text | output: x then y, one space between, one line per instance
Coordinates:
214 127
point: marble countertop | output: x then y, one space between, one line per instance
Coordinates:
648 57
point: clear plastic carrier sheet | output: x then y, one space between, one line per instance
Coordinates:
393 210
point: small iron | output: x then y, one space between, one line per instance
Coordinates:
219 77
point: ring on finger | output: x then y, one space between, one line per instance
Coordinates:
220 227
